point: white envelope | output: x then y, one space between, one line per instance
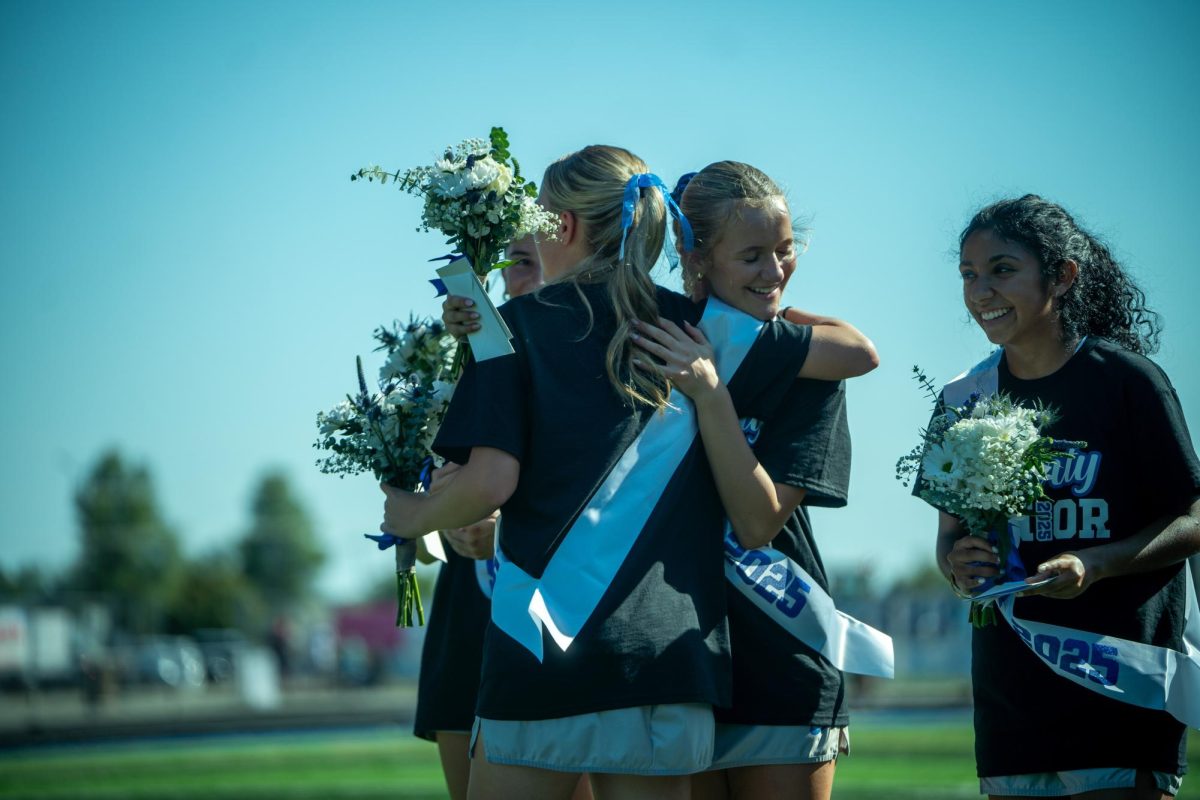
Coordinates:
492 339
1011 587
433 544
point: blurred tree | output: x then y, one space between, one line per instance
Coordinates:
129 557
280 552
854 582
214 593
924 578
29 584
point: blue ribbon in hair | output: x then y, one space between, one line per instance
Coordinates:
681 185
677 196
648 180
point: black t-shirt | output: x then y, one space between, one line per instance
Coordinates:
804 442
659 634
453 650
1138 466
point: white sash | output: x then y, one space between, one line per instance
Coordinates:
785 592
982 378
1139 674
1133 672
597 544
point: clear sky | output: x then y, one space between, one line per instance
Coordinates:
188 271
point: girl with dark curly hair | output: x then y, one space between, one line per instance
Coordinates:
1121 517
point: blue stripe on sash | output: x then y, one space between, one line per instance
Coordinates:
1140 674
785 592
597 544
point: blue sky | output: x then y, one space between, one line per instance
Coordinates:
188 271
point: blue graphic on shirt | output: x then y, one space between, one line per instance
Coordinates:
1075 468
1075 517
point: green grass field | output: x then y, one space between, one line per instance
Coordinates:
892 763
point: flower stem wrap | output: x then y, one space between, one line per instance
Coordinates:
408 591
984 462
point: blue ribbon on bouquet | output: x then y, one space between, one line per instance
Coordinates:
1014 568
437 282
386 540
648 180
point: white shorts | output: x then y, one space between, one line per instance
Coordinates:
754 745
1075 781
644 740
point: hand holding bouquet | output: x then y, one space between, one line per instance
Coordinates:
984 462
389 432
476 196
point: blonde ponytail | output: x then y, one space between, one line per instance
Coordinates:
592 183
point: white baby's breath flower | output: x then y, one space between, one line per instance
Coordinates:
533 218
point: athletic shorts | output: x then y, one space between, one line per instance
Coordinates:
644 740
753 745
1075 781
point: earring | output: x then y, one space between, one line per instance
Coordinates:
699 276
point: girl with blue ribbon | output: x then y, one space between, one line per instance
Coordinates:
608 647
787 724
1071 698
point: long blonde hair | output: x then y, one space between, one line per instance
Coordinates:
591 184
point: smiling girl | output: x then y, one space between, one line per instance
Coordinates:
608 648
1121 518
782 733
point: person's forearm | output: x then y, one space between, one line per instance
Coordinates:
483 484
837 351
1164 542
752 500
799 316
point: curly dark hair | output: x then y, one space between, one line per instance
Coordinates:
1104 300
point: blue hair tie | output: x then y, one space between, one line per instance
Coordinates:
633 188
681 185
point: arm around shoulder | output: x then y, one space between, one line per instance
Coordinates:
837 349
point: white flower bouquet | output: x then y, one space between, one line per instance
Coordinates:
389 432
476 196
984 462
